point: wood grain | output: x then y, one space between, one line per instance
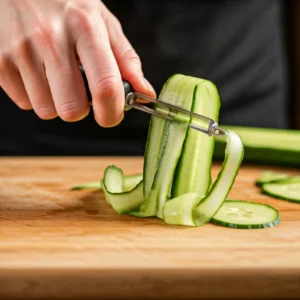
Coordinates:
62 244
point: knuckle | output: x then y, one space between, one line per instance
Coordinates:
46 36
131 54
79 13
71 111
19 49
106 88
114 24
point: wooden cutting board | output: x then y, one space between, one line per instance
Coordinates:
62 244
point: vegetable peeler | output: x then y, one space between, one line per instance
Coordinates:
131 101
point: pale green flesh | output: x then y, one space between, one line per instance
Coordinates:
88 185
210 204
288 191
269 176
130 182
154 146
173 134
245 213
113 187
221 187
176 136
179 210
126 202
196 159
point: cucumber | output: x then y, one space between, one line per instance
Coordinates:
88 185
218 193
194 167
270 176
173 135
176 184
289 191
155 146
179 210
246 215
123 202
199 210
129 183
265 146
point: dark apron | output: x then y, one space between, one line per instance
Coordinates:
236 44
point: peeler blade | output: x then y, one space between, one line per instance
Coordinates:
211 127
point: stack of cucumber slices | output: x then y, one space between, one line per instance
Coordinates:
280 185
176 184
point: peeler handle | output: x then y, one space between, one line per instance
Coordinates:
127 86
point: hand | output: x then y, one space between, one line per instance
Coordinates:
42 42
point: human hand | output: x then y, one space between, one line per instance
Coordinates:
42 42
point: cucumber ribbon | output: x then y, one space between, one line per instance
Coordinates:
176 184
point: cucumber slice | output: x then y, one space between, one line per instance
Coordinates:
173 134
199 210
194 167
88 185
179 211
246 215
123 202
290 179
211 203
289 191
129 183
270 176
156 137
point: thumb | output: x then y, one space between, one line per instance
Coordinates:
128 61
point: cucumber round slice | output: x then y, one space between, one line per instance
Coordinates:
246 215
287 191
270 176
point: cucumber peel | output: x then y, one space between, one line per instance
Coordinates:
88 185
122 201
130 182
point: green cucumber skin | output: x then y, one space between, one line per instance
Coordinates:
183 206
129 182
202 218
88 185
270 176
154 148
266 191
206 101
270 224
172 152
123 202
156 197
132 200
265 146
256 226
